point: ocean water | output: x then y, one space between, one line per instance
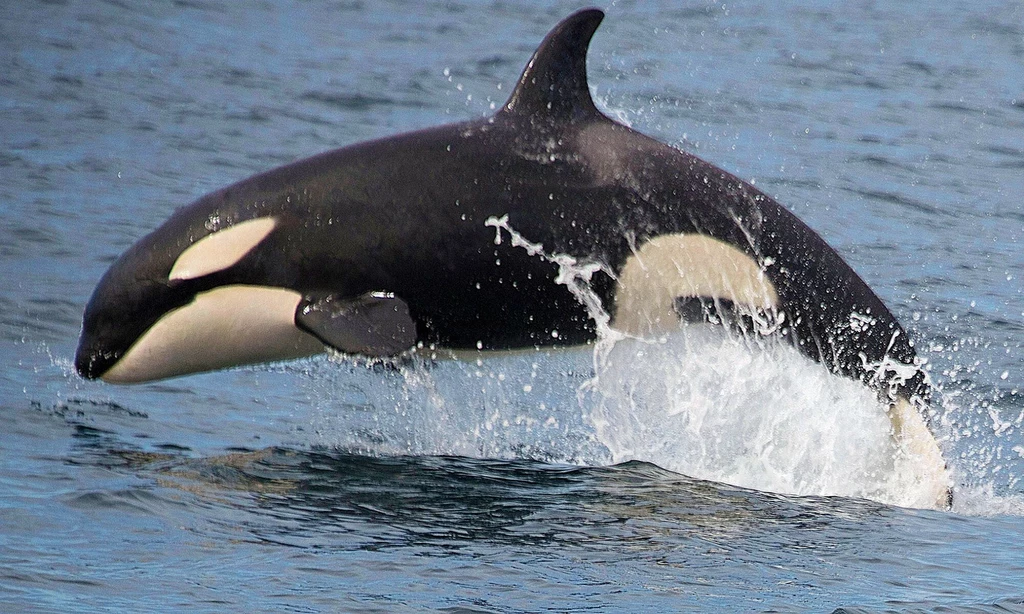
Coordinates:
704 473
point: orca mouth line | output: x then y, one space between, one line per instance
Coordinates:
93 363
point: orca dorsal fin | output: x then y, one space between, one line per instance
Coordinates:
555 79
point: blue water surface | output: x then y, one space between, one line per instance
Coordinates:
895 130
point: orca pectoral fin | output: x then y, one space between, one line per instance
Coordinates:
374 324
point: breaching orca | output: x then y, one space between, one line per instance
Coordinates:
379 246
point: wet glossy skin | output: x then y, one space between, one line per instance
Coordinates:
406 215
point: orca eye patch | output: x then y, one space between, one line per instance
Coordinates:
222 249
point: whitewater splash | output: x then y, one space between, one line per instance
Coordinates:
704 401
752 413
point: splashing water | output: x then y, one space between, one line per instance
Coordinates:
746 410
509 405
703 401
753 413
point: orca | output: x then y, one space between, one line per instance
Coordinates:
382 246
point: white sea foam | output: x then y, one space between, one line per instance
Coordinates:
750 412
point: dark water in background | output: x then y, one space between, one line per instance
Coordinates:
896 130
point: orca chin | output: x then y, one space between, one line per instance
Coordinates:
215 331
379 246
92 363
